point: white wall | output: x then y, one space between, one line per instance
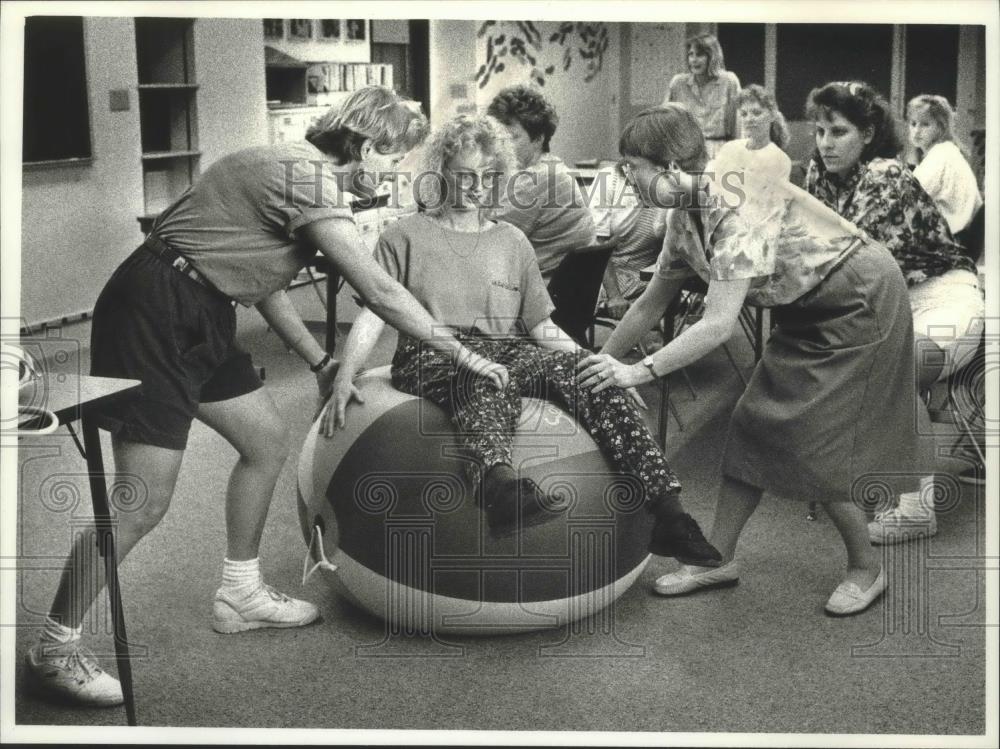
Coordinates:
452 69
79 223
390 31
588 110
229 69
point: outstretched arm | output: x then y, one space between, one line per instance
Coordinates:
364 334
722 308
642 316
283 318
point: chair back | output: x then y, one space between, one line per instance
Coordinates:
973 237
574 288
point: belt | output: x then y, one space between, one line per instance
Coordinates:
175 260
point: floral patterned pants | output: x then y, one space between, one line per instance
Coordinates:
486 418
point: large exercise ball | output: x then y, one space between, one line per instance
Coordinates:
389 501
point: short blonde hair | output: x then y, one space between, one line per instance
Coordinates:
460 134
373 113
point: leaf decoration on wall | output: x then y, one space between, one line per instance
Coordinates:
522 42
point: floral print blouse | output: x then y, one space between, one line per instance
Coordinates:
885 200
788 254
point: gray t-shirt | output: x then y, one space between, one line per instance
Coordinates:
545 203
487 280
237 222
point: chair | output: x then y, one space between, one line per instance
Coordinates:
574 288
963 402
973 237
687 308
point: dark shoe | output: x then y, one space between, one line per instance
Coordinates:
680 537
507 500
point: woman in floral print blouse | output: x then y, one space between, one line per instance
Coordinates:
855 171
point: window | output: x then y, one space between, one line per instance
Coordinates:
56 121
810 55
274 28
329 29
931 61
743 50
300 28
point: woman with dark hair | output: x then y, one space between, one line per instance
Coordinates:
542 199
855 171
167 317
481 278
813 419
708 90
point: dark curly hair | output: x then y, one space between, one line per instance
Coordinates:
526 107
863 107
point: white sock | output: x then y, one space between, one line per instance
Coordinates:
918 503
243 575
54 632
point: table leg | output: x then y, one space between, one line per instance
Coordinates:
332 285
106 545
668 323
758 333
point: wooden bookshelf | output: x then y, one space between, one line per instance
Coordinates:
168 115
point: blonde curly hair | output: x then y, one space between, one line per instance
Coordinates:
432 185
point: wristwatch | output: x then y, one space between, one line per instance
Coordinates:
648 363
318 366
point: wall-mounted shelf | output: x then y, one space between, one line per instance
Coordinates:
167 111
167 86
160 155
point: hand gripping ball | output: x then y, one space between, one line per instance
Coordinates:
389 501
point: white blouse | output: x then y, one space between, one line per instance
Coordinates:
752 171
948 179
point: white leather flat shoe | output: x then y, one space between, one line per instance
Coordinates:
849 599
683 581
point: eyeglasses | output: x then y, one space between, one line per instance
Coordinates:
628 171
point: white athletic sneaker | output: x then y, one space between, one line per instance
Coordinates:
264 607
70 673
902 524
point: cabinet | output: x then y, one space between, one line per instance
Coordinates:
289 124
168 119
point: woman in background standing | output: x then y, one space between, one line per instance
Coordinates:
708 91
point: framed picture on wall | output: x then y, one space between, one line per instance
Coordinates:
274 28
356 29
329 30
300 28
